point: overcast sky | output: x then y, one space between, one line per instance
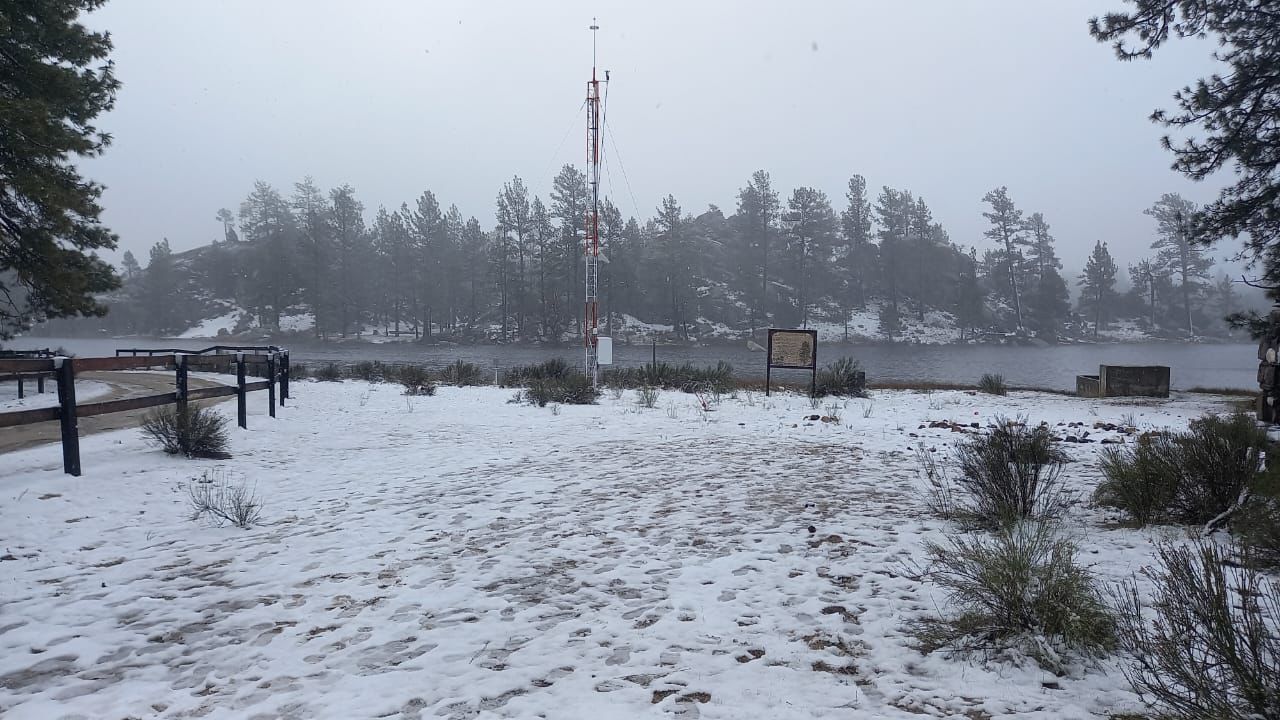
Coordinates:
945 98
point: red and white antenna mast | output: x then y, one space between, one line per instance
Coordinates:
591 246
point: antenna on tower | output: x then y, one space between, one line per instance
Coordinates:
591 247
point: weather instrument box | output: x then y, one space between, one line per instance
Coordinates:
604 351
792 350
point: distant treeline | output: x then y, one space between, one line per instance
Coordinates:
423 269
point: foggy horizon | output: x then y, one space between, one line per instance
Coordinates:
948 102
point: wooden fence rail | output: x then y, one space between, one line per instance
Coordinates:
273 364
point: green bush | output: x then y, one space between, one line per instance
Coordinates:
1258 522
647 397
462 374
193 432
993 384
1141 480
1006 476
843 377
369 371
1020 588
552 369
1208 643
572 389
328 373
416 380
1191 477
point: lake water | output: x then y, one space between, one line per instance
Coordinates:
1232 365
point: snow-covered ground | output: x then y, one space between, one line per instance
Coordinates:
210 327
86 391
461 557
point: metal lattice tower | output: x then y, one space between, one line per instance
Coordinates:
591 246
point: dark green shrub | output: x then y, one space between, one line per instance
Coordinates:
716 378
1008 475
647 397
416 380
552 369
1258 522
1219 457
369 371
328 373
1021 588
572 389
193 432
993 384
298 371
1208 644
843 377
1191 477
1140 480
462 374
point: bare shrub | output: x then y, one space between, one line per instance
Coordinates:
298 371
647 397
214 497
193 431
993 384
1010 474
1021 588
1209 644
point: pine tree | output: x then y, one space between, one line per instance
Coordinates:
1224 296
1040 252
55 78
1049 304
130 269
427 248
471 258
160 290
1007 230
758 211
970 308
267 222
1176 251
515 222
1142 276
811 226
1235 108
673 246
1098 282
352 255
893 215
315 245
543 231
570 203
856 223
228 221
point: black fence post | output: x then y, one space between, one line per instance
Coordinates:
241 410
284 377
180 382
271 384
67 415
21 394
40 384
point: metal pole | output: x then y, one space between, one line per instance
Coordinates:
67 415
271 384
241 409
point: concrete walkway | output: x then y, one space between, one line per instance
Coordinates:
123 385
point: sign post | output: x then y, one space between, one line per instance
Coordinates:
792 350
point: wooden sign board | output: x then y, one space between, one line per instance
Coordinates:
792 350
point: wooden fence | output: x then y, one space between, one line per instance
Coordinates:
273 366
